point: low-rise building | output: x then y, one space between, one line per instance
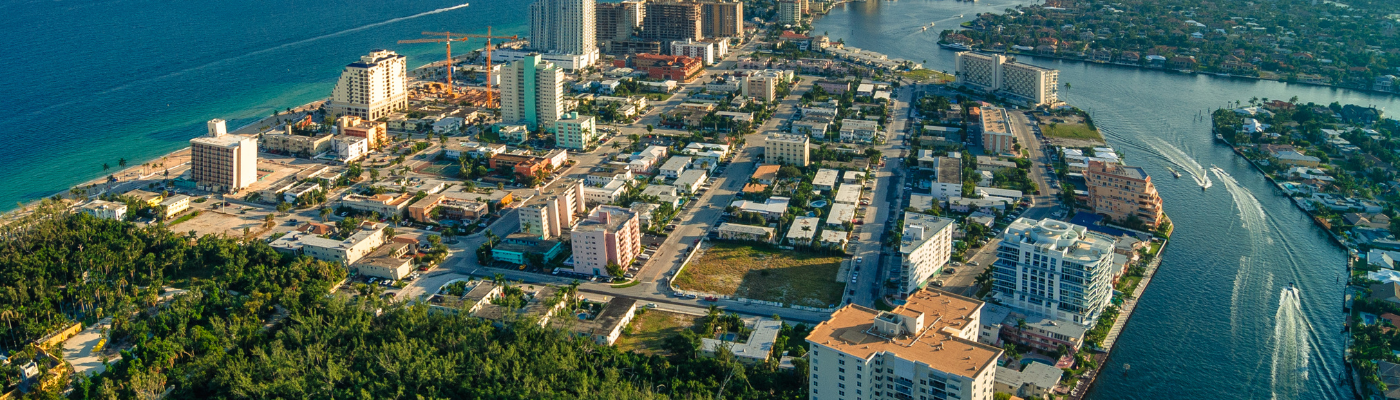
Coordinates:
674 167
283 142
756 349
841 214
985 163
728 231
1033 380
345 252
766 174
859 130
391 261
834 239
385 205
853 177
772 208
803 230
690 181
606 325
788 149
665 194
174 205
348 148
516 249
706 150
948 181
105 209
151 199
825 179
848 194
606 193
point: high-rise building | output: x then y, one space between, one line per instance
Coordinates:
1123 193
553 210
563 26
722 18
671 20
610 235
786 148
925 349
614 21
1054 269
220 162
761 84
925 247
996 131
790 12
532 92
372 87
994 73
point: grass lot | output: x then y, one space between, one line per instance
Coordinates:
649 331
925 75
183 218
1070 131
760 272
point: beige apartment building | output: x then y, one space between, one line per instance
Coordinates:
553 209
926 348
1119 192
994 73
344 252
372 87
610 235
375 133
384 204
785 148
722 18
297 145
996 131
220 162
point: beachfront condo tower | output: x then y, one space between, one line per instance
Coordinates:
994 73
532 92
372 87
1054 269
565 27
220 162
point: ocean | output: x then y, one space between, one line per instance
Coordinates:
94 82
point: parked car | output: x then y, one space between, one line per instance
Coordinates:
949 271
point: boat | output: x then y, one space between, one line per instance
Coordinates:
1174 173
955 46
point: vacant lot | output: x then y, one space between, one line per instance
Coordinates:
762 273
1070 131
649 331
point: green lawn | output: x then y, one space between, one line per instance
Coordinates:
761 272
925 75
1070 131
649 331
184 218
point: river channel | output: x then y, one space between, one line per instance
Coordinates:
1217 321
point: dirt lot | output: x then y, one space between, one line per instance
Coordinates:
226 220
649 331
763 273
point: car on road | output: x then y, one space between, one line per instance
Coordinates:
938 283
949 271
974 263
859 259
711 298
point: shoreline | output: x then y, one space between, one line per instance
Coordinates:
134 169
1125 314
1189 72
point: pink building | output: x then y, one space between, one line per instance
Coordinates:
610 235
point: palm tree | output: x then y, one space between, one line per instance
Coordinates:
325 212
122 162
106 167
268 223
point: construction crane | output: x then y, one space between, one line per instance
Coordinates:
447 37
490 100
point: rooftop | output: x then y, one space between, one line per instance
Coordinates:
826 177
919 228
949 170
758 346
803 228
994 121
388 256
749 229
851 330
1073 240
605 218
766 172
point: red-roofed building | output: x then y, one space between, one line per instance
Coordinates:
678 68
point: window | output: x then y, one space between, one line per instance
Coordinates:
858 368
841 370
841 385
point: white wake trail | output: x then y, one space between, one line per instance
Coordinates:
1251 212
1292 348
1182 160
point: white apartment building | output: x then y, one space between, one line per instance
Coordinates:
553 209
674 167
565 26
1054 269
345 252
704 51
220 162
605 193
372 87
926 246
532 93
825 179
575 131
349 148
993 73
105 209
859 130
948 181
926 349
610 235
785 148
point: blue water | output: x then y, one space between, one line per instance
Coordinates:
91 82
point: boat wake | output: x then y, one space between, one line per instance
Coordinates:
1251 212
1181 160
1292 348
